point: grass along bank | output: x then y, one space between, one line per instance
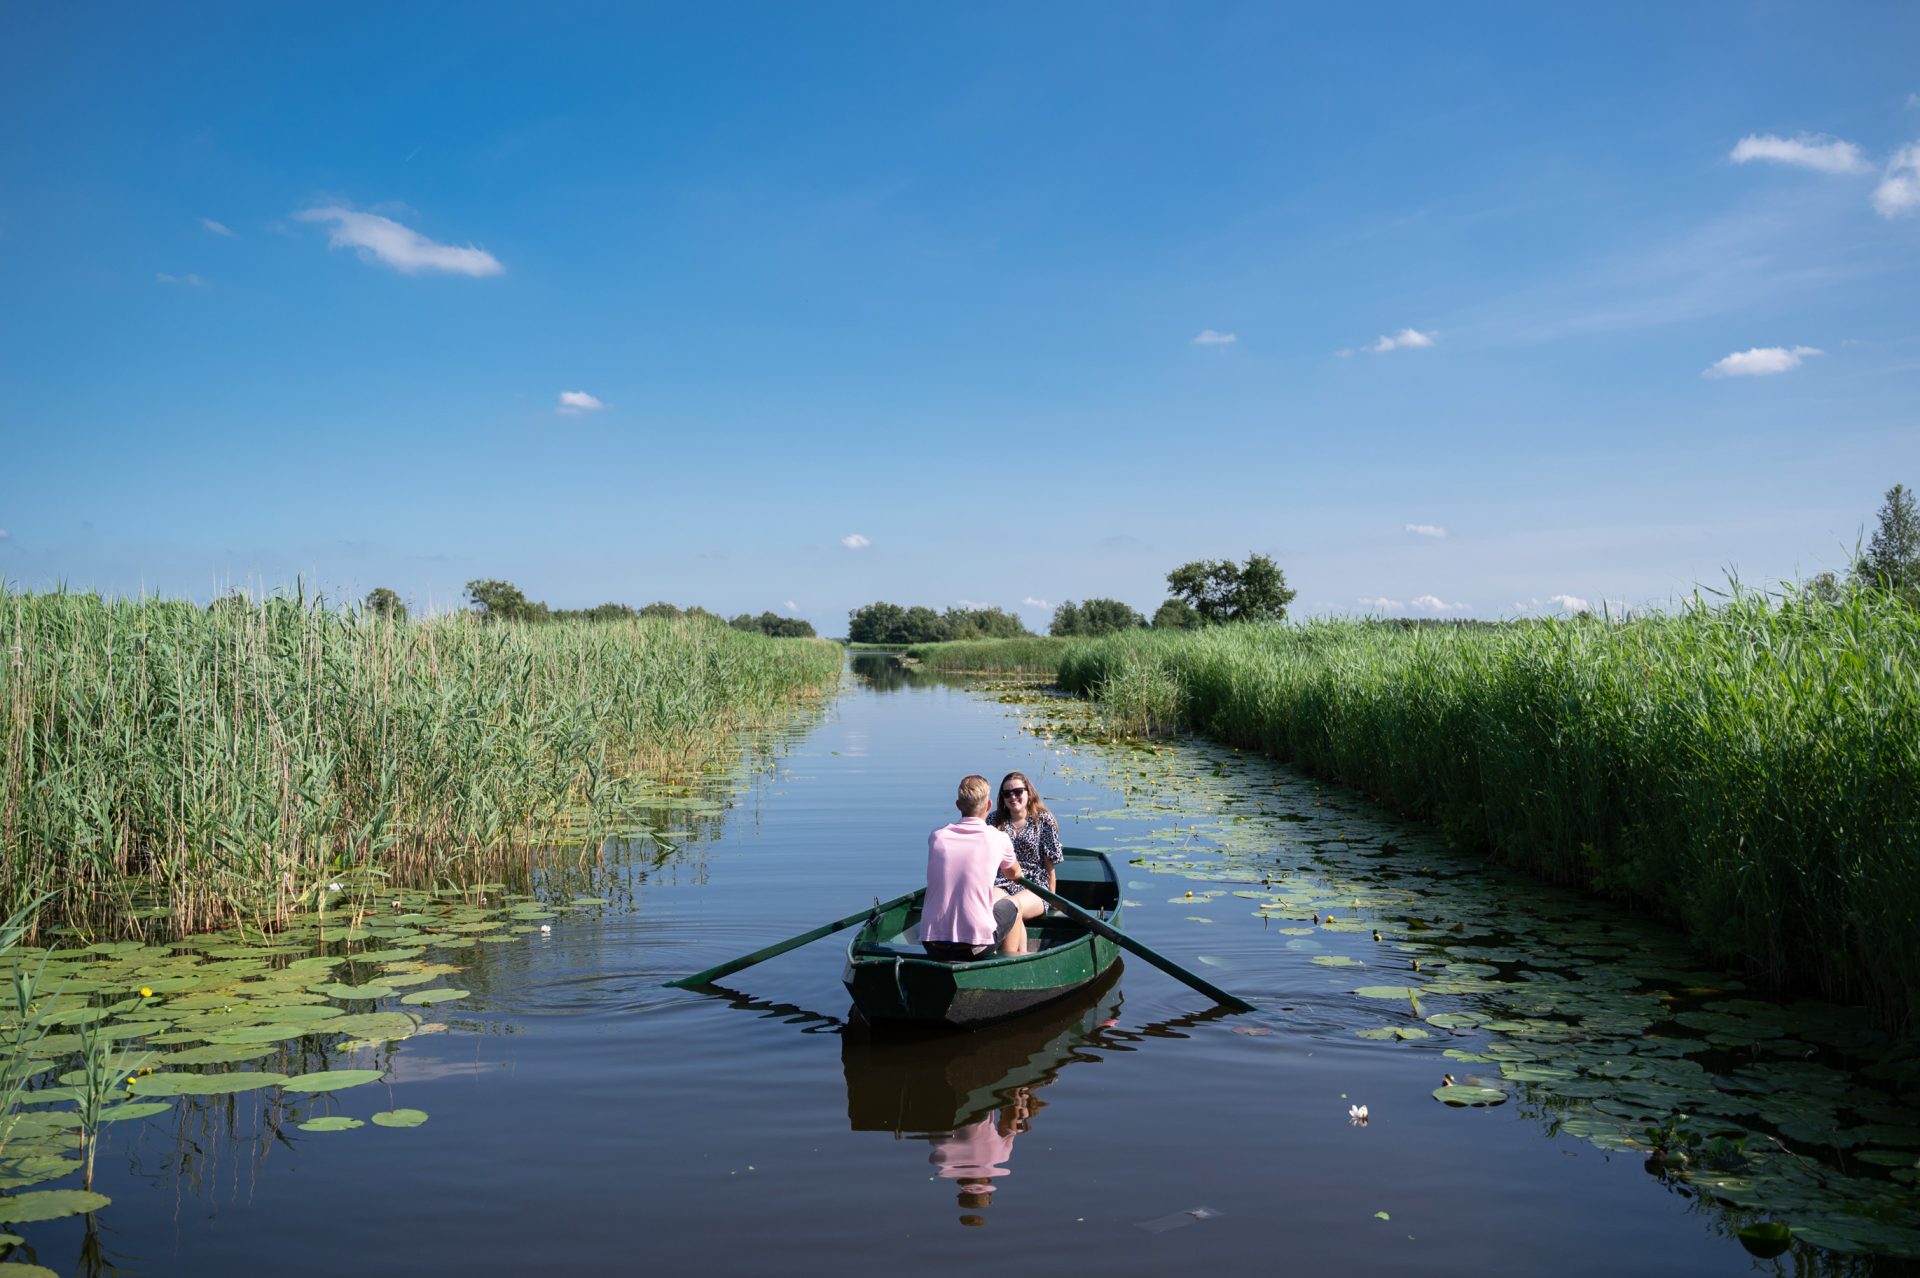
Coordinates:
228 760
1749 770
1035 655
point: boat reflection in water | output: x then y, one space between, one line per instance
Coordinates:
969 1096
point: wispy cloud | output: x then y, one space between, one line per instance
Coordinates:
1031 602
1405 339
381 239
1572 603
1436 604
1899 191
1209 337
161 277
218 228
4 534
854 541
1426 530
1814 151
1382 604
1761 361
573 403
791 606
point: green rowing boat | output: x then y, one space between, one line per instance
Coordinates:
894 982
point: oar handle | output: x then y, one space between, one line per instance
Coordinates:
1132 946
713 974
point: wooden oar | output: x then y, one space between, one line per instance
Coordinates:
713 974
1132 946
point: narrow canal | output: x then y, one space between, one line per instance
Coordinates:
584 1119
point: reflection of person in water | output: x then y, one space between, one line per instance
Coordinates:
977 1154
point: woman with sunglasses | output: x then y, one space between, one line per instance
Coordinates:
1036 841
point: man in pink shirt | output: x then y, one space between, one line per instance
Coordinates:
964 917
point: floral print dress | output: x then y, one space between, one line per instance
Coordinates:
1036 845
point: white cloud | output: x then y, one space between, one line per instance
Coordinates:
1899 190
1031 602
1572 603
1761 361
384 240
1382 604
791 606
1209 337
854 541
1814 151
4 534
970 604
217 228
195 281
1426 530
573 403
1437 604
1405 339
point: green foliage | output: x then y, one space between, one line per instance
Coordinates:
1744 769
230 757
502 601
889 623
382 602
1892 560
1031 655
1219 590
1092 618
775 625
1175 614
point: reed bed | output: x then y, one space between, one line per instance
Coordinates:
224 762
1036 655
1749 769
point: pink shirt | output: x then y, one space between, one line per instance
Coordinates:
962 860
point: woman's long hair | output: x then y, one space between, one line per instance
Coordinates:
998 818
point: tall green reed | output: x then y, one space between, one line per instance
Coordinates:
226 760
1749 767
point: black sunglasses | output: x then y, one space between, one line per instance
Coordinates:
1014 789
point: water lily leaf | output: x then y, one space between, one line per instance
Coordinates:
1393 1032
350 993
332 1080
1399 992
375 1024
49 1204
1766 1241
36 1170
331 1123
132 1109
1381 1215
1454 1020
400 1118
1336 960
216 1054
422 998
1463 1094
261 1033
206 1084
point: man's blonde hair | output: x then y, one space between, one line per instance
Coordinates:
973 795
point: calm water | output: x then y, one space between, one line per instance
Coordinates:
585 1119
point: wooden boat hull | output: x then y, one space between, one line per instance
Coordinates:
893 982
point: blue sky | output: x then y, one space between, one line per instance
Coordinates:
1005 304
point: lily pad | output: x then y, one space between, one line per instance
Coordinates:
332 1080
49 1204
216 1054
1463 1094
400 1118
132 1109
1766 1241
1399 992
331 1123
423 998
375 1025
206 1084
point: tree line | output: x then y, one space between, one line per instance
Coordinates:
503 601
1205 592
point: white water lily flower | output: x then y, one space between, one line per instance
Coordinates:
546 928
333 887
1357 1114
